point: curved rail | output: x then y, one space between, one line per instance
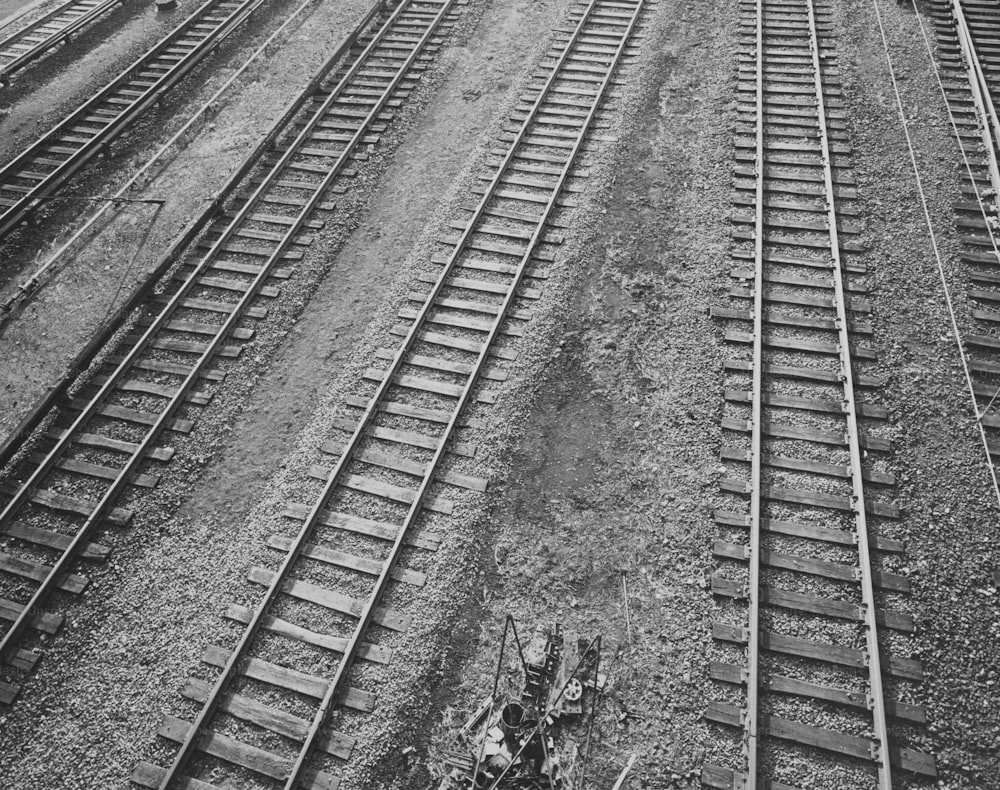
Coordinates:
37 38
517 206
47 164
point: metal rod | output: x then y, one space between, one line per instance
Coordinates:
507 624
756 432
466 395
983 101
593 711
228 671
103 507
879 724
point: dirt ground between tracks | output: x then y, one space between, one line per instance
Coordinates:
603 448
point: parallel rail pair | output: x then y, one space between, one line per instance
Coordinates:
323 632
33 40
38 172
185 336
803 450
969 56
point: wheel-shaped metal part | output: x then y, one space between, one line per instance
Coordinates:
574 690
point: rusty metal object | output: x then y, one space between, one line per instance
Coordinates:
532 740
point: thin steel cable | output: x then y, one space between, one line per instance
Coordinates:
933 237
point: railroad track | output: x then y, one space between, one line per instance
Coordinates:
186 337
969 58
35 39
39 171
293 685
800 447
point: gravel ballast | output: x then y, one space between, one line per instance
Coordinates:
602 450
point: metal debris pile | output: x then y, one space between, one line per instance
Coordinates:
540 739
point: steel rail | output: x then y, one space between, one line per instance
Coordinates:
19 61
756 432
466 394
12 215
956 332
239 308
989 125
866 582
188 745
14 442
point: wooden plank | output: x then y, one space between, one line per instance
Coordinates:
903 668
45 622
821 405
273 719
797 344
364 526
418 413
330 599
841 471
812 604
472 345
188 346
54 540
96 470
72 583
434 386
462 322
803 373
146 774
773 559
856 304
160 390
737 675
415 468
412 438
291 679
482 265
485 286
395 493
133 415
24 660
341 559
727 673
913 761
366 651
839 696
818 737
439 363
469 306
804 530
905 711
793 495
82 507
721 713
8 693
242 754
778 318
117 445
775 430
720 778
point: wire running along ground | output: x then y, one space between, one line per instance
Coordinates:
956 332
